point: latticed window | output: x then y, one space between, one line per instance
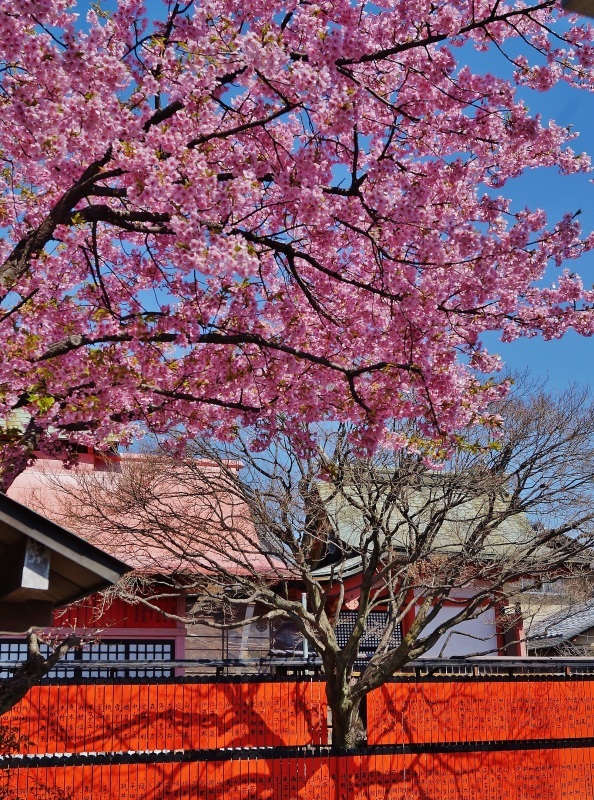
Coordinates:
376 624
78 663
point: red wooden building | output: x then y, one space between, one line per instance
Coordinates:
119 631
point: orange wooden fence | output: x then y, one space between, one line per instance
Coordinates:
223 739
112 716
472 711
547 774
105 716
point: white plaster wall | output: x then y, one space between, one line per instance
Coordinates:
472 636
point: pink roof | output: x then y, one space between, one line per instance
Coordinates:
190 521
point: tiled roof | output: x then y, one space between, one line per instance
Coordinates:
344 569
223 531
351 525
563 625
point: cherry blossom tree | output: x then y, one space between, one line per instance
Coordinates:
239 213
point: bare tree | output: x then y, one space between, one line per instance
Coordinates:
35 667
302 533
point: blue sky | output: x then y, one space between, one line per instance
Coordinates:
570 359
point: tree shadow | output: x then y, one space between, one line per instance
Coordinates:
448 712
122 717
560 774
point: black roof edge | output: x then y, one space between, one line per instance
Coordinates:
30 523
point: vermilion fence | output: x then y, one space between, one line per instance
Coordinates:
413 712
264 739
545 774
113 716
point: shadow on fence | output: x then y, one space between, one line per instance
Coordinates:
544 774
431 736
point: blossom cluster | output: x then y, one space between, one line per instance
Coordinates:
274 213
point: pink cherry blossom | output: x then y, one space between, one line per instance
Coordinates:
268 214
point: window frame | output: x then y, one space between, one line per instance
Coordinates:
77 663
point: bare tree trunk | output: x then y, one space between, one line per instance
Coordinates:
348 730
